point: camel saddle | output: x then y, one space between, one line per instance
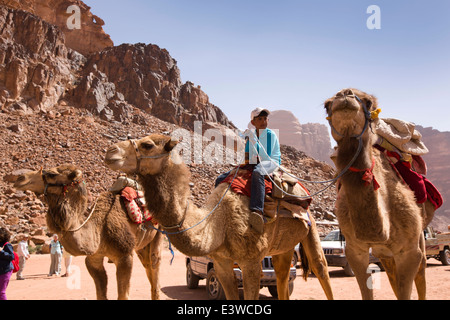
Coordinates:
288 198
133 198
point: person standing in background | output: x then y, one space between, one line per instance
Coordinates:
24 255
6 258
56 249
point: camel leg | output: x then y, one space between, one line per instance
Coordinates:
282 266
390 268
358 259
251 275
124 266
225 274
94 265
407 268
150 257
420 280
316 259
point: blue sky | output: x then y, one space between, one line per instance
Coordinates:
294 54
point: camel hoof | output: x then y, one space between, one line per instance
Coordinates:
256 222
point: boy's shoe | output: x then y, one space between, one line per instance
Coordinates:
256 222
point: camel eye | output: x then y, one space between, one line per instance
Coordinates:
147 146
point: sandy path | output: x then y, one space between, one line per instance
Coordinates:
38 286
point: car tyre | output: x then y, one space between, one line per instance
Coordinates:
213 287
444 256
191 279
274 292
348 270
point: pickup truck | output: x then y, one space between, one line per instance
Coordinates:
437 245
198 268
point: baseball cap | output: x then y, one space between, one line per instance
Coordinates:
258 111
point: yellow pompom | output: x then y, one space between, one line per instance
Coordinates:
375 114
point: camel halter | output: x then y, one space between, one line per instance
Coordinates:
65 189
368 119
139 156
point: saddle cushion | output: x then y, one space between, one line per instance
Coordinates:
135 204
242 184
243 181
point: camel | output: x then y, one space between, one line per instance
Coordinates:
223 233
375 208
105 232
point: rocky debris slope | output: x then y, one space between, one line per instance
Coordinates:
72 135
84 35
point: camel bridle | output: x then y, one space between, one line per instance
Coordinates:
65 188
139 156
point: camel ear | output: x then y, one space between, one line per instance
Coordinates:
170 145
328 105
75 175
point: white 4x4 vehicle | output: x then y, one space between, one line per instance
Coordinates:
333 246
198 268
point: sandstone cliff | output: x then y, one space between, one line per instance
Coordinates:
148 78
36 68
438 170
311 138
87 37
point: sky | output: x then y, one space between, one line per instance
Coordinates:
294 54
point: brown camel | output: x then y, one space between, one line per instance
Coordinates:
224 235
375 208
104 231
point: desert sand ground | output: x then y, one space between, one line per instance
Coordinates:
80 286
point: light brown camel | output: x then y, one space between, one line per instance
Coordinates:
386 219
225 235
108 232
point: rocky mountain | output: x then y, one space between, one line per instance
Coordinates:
311 138
38 69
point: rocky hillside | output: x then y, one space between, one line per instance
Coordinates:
72 135
312 138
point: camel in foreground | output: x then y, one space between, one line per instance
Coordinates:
225 235
375 208
106 231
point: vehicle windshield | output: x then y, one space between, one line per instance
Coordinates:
334 236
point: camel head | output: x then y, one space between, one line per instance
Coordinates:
144 156
49 181
350 111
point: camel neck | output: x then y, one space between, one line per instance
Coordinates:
167 194
361 192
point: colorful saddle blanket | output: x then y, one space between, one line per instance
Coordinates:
135 204
423 188
294 191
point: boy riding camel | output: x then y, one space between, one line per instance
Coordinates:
262 151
